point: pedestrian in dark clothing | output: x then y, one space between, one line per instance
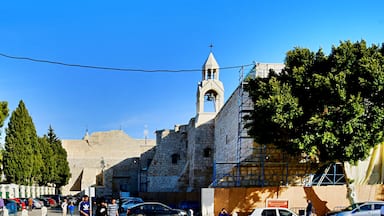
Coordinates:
101 209
223 212
308 211
85 206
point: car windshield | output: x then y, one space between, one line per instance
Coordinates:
351 207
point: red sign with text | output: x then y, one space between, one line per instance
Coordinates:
277 203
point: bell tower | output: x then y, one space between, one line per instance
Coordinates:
210 92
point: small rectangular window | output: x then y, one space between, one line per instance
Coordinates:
175 158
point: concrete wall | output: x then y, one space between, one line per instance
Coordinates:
16 191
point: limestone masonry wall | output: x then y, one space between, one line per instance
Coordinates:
169 161
98 152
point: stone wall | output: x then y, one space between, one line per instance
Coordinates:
200 151
145 162
238 159
122 177
100 151
226 139
193 148
169 160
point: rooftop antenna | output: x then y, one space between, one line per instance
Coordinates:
145 134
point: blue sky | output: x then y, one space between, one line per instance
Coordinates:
153 35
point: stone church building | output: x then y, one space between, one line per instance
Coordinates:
105 160
211 150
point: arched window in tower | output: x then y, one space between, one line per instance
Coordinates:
209 103
209 74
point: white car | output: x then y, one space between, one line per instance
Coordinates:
272 212
37 204
129 202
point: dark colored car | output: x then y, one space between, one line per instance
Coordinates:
154 208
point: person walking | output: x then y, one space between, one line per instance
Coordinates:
81 201
113 208
71 208
64 207
85 207
1 206
44 211
30 204
223 212
309 208
101 209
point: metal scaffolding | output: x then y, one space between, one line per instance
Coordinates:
249 170
265 165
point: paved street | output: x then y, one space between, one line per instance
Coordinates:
51 212
37 212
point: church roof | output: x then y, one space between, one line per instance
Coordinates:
210 62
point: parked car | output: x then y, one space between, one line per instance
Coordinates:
45 202
38 204
11 205
18 202
129 202
272 212
54 200
154 208
371 208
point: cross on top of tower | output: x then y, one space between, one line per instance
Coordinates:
211 46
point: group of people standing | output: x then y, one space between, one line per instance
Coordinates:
84 207
65 206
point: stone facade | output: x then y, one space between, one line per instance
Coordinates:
107 155
239 161
212 149
184 156
201 155
182 160
169 160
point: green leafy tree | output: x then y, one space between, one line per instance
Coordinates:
62 171
327 107
22 158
